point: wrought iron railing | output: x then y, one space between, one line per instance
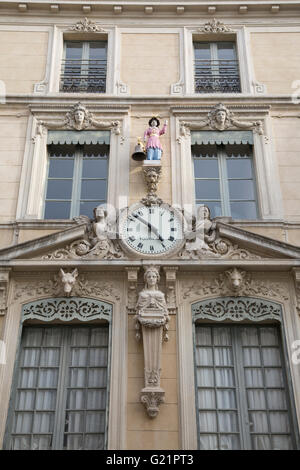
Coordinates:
87 76
217 76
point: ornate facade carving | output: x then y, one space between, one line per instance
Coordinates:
4 283
220 119
235 309
68 280
79 118
86 26
67 310
132 279
203 241
152 174
152 323
171 272
85 286
225 285
296 272
214 27
100 241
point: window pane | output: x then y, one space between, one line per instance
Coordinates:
57 210
207 189
93 189
61 168
208 421
206 168
226 51
243 210
97 50
241 189
73 50
202 51
214 207
93 168
239 168
59 189
87 208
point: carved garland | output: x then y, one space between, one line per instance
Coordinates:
223 285
215 27
54 287
220 118
67 310
86 26
79 118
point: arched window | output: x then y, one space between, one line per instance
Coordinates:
242 393
60 394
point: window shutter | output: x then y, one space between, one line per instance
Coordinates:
221 137
78 137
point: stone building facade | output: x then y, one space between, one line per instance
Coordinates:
109 344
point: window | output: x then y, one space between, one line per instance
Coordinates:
84 67
242 395
77 175
224 174
216 67
61 390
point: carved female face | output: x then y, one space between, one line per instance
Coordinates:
79 116
151 279
153 123
220 117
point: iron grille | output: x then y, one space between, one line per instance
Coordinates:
217 76
88 76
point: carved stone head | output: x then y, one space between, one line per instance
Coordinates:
78 117
68 280
151 277
236 279
219 117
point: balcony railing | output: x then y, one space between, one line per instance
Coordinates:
87 76
217 76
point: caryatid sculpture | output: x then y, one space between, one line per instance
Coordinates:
152 321
152 135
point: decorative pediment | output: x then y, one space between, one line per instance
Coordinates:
220 118
204 239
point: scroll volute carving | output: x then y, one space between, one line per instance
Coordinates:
4 282
152 324
296 272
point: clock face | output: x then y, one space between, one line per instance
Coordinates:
152 230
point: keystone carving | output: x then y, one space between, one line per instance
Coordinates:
79 118
152 323
220 119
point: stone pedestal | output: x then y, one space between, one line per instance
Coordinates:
153 324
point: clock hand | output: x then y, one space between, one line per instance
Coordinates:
152 228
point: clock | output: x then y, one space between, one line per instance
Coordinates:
151 231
